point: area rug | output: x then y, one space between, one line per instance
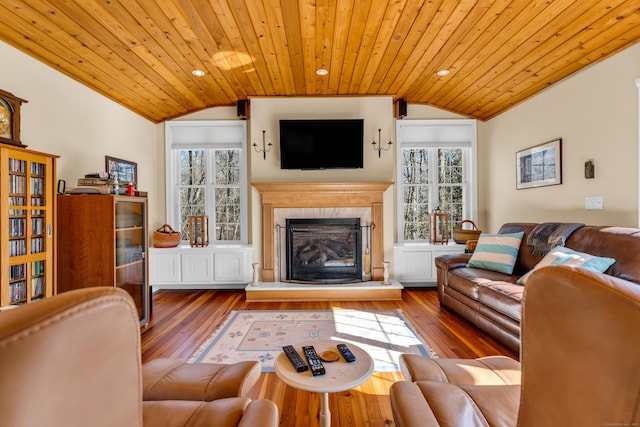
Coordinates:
260 335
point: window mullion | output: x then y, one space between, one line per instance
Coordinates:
434 183
210 194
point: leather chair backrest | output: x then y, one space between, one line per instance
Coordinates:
580 350
71 361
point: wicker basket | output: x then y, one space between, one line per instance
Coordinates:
166 237
461 236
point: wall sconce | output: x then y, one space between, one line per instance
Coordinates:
265 147
379 147
198 230
439 227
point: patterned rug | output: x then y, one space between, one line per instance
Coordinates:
260 335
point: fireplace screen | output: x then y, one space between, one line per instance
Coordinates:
324 250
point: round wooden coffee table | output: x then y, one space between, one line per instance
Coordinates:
339 376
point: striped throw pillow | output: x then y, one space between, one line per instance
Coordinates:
497 252
565 256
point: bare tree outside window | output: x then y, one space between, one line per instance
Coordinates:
450 181
217 178
432 178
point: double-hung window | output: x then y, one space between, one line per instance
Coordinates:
206 175
436 171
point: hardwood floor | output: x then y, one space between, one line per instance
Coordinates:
182 320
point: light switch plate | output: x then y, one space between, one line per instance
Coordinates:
594 203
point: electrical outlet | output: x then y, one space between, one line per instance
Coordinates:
594 203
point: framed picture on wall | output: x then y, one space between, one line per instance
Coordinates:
540 165
124 170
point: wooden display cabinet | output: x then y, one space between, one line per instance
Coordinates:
27 224
102 241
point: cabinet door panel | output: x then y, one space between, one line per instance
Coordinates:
417 266
164 268
197 267
229 267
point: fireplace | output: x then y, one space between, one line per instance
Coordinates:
277 196
323 250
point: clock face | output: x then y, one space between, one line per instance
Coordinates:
5 119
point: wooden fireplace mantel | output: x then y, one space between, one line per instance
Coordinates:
321 195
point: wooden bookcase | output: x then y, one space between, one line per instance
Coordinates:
102 241
27 225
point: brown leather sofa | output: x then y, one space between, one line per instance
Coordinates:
579 363
492 300
73 360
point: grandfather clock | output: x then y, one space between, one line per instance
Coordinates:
10 119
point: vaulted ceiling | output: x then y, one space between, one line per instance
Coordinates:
141 53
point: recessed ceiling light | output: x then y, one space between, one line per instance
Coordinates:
198 73
442 73
322 72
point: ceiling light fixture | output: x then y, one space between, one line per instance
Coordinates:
443 73
198 73
322 72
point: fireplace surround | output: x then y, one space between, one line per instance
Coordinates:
276 195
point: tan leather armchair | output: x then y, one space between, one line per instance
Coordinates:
580 363
74 360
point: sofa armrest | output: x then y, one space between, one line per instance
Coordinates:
444 263
451 261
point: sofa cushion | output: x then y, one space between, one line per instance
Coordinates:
496 252
561 255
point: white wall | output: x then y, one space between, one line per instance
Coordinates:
66 118
595 112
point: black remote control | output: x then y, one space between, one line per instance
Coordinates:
346 353
317 368
295 358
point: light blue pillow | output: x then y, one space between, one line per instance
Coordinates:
497 252
565 256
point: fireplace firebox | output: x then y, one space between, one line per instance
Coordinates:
323 250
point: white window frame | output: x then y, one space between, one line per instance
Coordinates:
207 135
461 133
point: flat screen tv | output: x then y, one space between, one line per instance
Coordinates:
321 144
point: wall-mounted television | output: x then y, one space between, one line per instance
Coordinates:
321 144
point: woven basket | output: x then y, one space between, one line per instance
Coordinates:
461 236
166 237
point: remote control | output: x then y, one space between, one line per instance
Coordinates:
295 358
346 353
317 368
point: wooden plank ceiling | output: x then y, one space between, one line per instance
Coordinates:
141 53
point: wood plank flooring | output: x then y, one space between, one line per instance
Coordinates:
182 320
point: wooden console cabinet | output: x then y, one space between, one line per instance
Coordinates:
27 224
102 241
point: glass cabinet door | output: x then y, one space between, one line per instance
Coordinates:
131 247
29 233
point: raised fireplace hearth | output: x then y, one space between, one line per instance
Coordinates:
323 250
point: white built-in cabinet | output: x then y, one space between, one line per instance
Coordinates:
210 267
414 264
